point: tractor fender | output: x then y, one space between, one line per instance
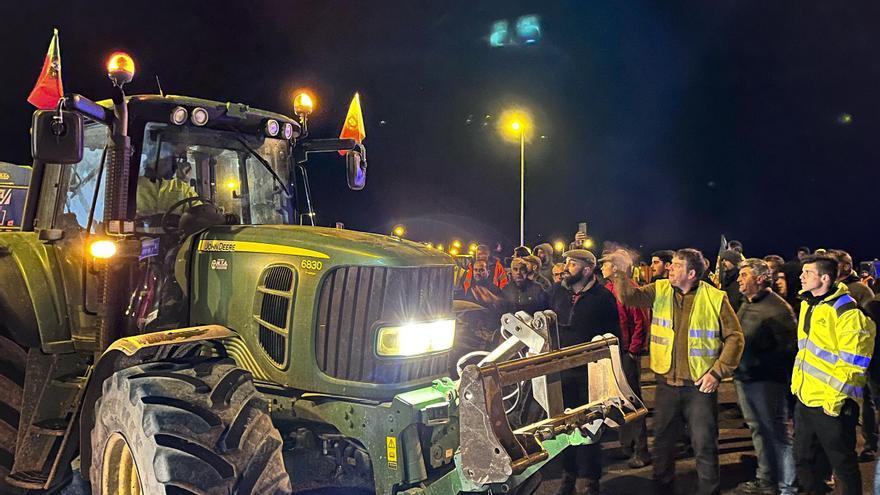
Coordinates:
26 300
131 351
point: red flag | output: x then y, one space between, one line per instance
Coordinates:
49 89
353 128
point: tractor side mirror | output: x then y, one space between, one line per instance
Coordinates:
57 138
356 168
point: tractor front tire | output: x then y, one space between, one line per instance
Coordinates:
168 428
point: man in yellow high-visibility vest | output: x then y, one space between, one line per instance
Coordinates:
695 342
835 346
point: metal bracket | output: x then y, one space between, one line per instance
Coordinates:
491 451
537 333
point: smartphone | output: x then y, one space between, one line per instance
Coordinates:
582 228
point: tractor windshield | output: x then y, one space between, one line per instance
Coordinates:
245 177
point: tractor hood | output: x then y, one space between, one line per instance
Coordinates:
333 246
310 302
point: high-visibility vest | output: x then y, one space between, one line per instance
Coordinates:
704 329
835 345
157 196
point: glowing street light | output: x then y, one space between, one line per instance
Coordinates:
559 246
515 124
472 247
399 230
456 244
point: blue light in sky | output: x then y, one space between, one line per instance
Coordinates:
500 34
528 29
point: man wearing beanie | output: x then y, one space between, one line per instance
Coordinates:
730 261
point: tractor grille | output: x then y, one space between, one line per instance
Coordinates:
354 301
275 305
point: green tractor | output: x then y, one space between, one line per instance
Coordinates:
169 328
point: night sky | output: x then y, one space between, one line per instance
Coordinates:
666 124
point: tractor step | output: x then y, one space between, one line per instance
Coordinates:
30 480
44 434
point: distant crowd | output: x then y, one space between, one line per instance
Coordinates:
797 337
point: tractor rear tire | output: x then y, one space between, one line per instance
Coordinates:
13 362
185 428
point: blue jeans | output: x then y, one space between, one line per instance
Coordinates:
877 479
764 406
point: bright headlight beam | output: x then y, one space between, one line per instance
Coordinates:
415 339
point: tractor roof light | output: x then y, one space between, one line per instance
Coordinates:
303 104
102 249
271 127
288 131
120 68
199 116
179 115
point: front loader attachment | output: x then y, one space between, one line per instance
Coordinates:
491 450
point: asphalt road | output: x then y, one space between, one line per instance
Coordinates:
737 456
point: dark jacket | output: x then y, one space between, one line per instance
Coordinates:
530 298
584 315
730 286
792 270
770 330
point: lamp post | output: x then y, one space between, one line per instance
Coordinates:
514 125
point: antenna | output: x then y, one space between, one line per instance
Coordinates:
161 93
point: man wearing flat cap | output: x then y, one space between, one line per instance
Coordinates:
585 309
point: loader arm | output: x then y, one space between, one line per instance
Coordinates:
491 450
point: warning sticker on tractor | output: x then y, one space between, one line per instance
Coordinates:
391 451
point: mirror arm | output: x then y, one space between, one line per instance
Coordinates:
323 146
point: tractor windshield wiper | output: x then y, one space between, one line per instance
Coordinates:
265 164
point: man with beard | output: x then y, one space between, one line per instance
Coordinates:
523 294
695 342
482 291
535 270
585 309
660 261
496 269
544 252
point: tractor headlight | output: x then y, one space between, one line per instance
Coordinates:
414 339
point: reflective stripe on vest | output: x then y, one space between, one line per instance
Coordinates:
831 358
822 376
844 299
704 329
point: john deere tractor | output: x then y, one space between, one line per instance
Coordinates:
168 326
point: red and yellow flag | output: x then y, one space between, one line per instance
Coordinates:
49 88
353 128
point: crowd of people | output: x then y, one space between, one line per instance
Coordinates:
796 337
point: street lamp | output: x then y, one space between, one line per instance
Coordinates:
516 124
399 231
